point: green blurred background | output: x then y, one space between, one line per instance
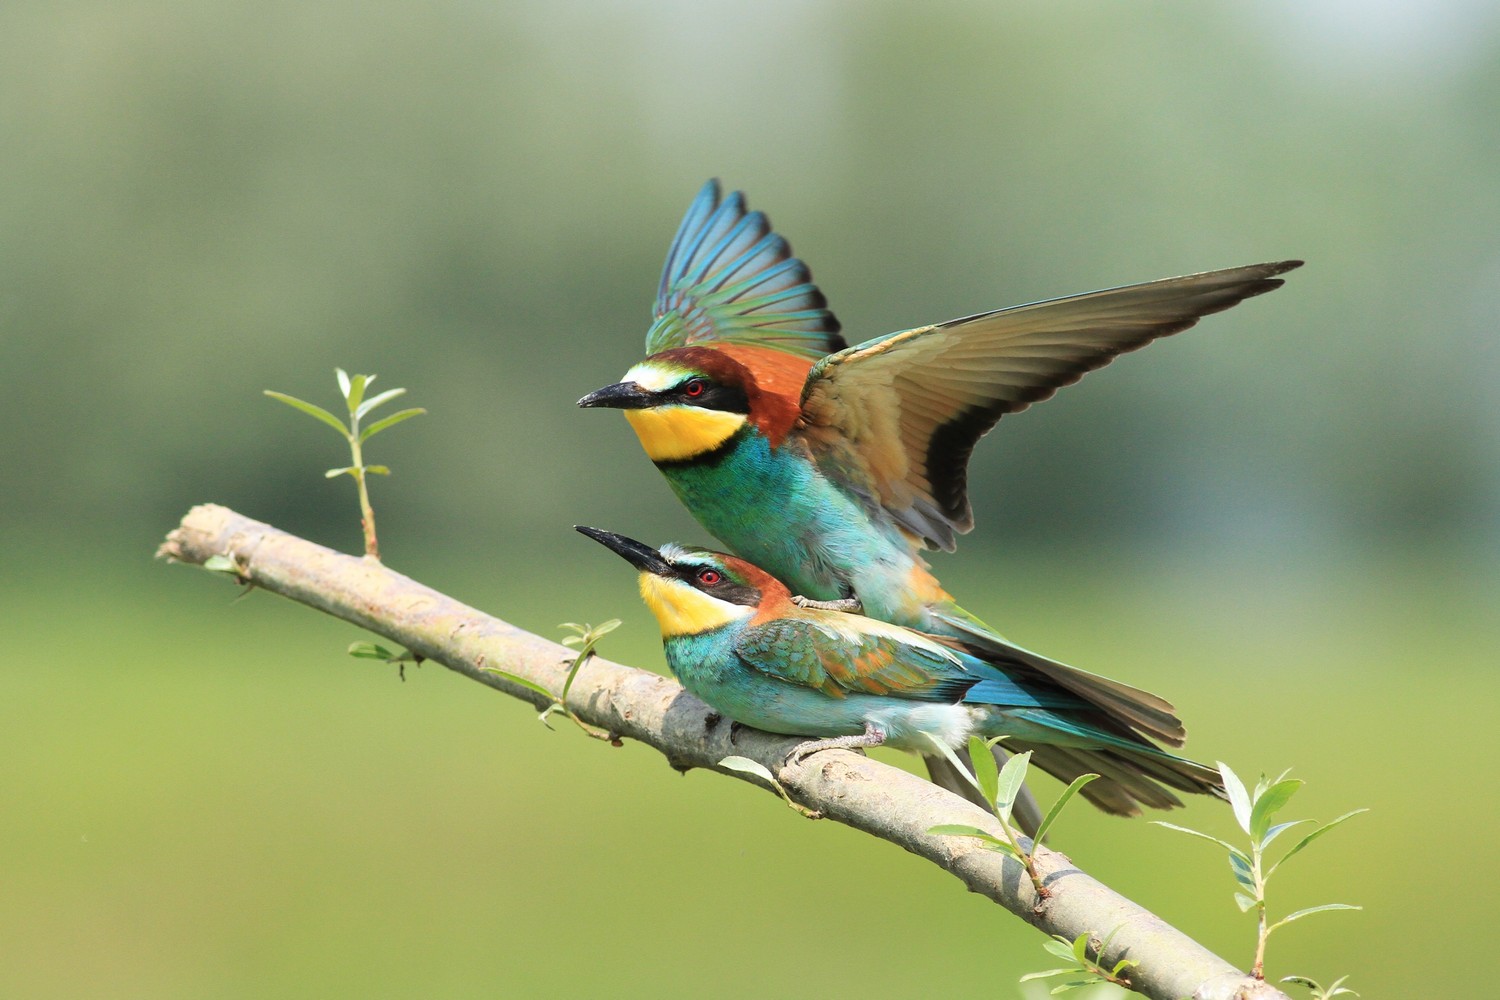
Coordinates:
1286 520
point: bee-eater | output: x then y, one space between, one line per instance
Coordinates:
830 466
736 639
833 467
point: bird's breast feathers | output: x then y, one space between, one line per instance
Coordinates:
678 433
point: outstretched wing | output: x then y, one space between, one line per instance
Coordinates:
729 278
901 413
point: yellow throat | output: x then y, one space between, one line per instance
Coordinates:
674 433
683 610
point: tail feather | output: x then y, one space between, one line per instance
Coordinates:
1111 738
1147 714
1127 781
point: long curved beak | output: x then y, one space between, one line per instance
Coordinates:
620 396
640 555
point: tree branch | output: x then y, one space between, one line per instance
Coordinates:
850 788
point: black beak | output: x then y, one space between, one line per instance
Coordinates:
620 396
640 555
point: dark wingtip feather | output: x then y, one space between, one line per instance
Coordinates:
714 284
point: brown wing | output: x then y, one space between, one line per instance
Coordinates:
901 413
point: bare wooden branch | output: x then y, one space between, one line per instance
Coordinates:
850 788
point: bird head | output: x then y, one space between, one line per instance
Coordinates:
683 403
692 590
691 401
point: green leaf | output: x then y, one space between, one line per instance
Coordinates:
1081 948
527 684
331 473
221 564
1073 984
1104 945
1244 902
1278 830
370 651
576 666
377 470
1012 778
1268 803
311 410
1238 798
1057 807
960 830
1045 975
390 421
1298 915
343 379
1265 783
1337 986
356 391
1060 947
375 401
1203 836
1313 836
747 766
945 750
1242 871
605 628
986 771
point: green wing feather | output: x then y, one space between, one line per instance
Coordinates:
729 278
842 662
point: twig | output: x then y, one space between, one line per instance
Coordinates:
847 787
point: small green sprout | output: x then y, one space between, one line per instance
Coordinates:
223 564
353 389
1333 989
1253 811
1000 787
375 651
745 765
1082 970
586 637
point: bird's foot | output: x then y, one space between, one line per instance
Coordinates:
850 605
871 737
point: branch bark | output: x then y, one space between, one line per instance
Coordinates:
849 788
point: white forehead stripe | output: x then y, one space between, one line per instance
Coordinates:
653 378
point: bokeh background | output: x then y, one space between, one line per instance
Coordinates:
1286 520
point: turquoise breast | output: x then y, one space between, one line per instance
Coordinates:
774 508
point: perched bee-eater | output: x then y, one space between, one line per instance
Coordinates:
830 466
833 467
736 639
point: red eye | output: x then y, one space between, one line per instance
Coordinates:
694 388
709 577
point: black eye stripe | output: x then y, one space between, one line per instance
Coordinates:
705 393
725 587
